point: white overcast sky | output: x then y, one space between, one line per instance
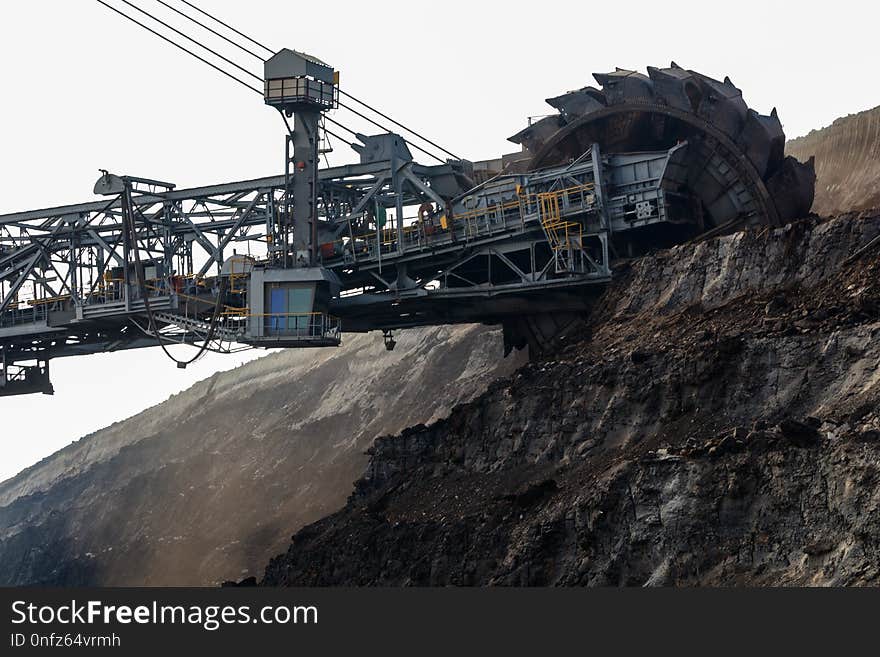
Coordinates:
84 89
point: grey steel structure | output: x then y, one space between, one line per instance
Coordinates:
526 241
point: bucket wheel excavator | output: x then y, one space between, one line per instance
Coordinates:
527 241
732 174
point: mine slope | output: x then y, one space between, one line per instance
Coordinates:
717 425
209 484
847 162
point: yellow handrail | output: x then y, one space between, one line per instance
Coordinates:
559 231
48 300
389 235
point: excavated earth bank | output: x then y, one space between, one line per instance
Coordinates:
718 425
847 162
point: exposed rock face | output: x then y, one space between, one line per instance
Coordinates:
719 426
847 162
210 484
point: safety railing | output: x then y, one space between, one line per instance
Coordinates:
576 199
463 227
565 237
424 235
33 311
112 290
561 233
314 325
17 314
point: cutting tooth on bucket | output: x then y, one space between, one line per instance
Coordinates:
763 142
623 86
676 87
581 102
534 136
722 105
